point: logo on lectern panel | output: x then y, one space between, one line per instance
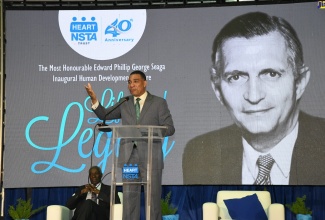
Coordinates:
130 171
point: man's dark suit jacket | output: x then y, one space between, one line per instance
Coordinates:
216 157
103 199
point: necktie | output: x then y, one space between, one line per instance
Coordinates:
93 197
137 109
264 164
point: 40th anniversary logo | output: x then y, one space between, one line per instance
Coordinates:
102 35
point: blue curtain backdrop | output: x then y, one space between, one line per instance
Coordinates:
188 199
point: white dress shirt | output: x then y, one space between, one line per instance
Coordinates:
89 194
143 99
282 155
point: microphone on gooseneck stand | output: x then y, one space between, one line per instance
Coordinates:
105 176
102 126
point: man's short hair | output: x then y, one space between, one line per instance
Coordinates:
256 24
143 76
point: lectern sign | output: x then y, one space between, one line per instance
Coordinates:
130 171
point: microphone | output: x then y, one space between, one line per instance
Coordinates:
102 125
105 176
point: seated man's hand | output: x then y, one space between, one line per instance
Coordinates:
88 188
93 189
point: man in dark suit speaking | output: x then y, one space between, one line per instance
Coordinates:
259 75
142 108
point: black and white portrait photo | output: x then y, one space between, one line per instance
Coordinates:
259 75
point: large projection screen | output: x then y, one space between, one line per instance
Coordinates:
51 55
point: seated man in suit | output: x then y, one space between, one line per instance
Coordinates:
92 201
259 75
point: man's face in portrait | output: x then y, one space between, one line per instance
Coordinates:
258 85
